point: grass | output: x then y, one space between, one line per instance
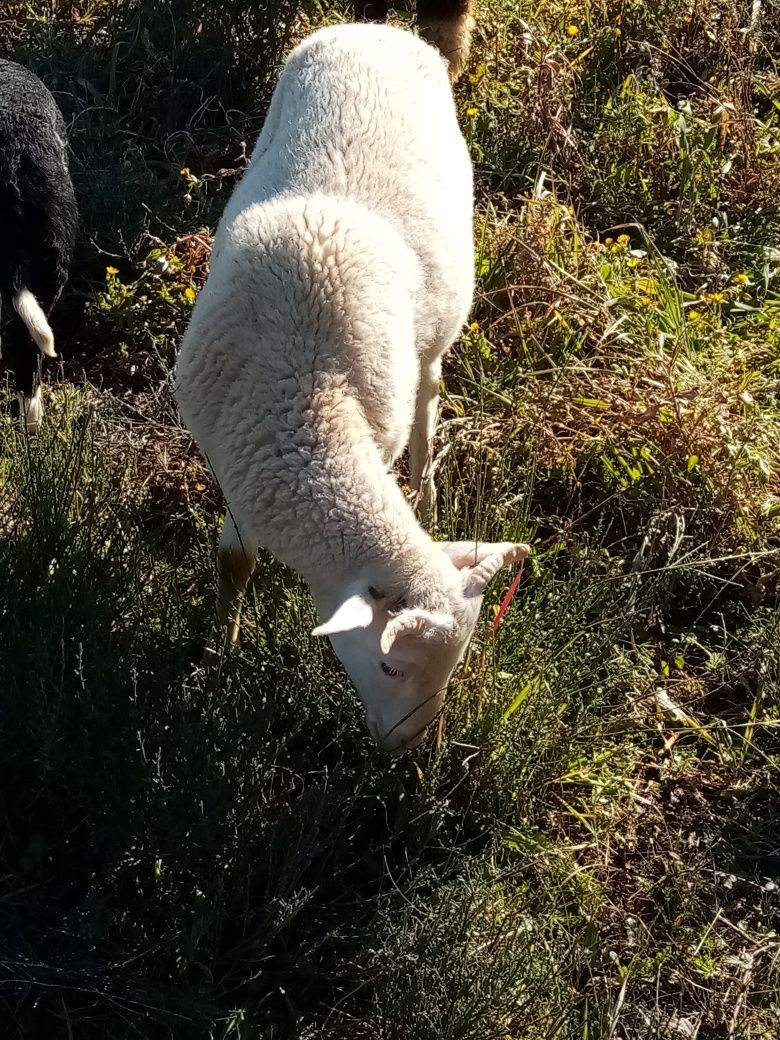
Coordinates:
589 847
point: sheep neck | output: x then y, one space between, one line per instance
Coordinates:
357 521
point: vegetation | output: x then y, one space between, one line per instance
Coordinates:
588 847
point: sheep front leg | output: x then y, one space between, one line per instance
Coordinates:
421 440
236 562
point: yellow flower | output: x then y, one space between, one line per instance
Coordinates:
608 241
615 249
472 111
634 261
624 239
693 317
646 301
189 293
572 30
185 171
110 271
474 326
715 297
741 279
617 32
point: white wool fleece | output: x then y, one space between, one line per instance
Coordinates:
342 270
342 261
297 419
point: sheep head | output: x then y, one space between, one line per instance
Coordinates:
401 660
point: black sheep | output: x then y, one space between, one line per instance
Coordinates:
38 223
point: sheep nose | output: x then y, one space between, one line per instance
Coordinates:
389 742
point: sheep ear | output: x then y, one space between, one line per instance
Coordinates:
423 623
499 555
470 554
355 612
466 554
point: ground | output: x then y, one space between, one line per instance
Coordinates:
589 845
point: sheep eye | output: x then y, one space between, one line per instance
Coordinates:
392 672
374 593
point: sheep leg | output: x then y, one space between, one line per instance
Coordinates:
236 561
421 439
22 358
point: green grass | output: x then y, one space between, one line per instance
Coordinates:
589 848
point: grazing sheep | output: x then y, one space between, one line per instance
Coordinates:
38 221
447 24
342 270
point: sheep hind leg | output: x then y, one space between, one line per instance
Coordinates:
236 562
421 440
22 358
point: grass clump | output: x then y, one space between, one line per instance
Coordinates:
587 845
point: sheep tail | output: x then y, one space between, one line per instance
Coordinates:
31 313
448 25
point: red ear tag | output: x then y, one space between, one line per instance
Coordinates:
510 595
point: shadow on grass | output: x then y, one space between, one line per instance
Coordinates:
184 851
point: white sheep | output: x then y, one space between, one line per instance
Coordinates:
342 271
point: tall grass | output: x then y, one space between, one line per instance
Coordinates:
183 851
